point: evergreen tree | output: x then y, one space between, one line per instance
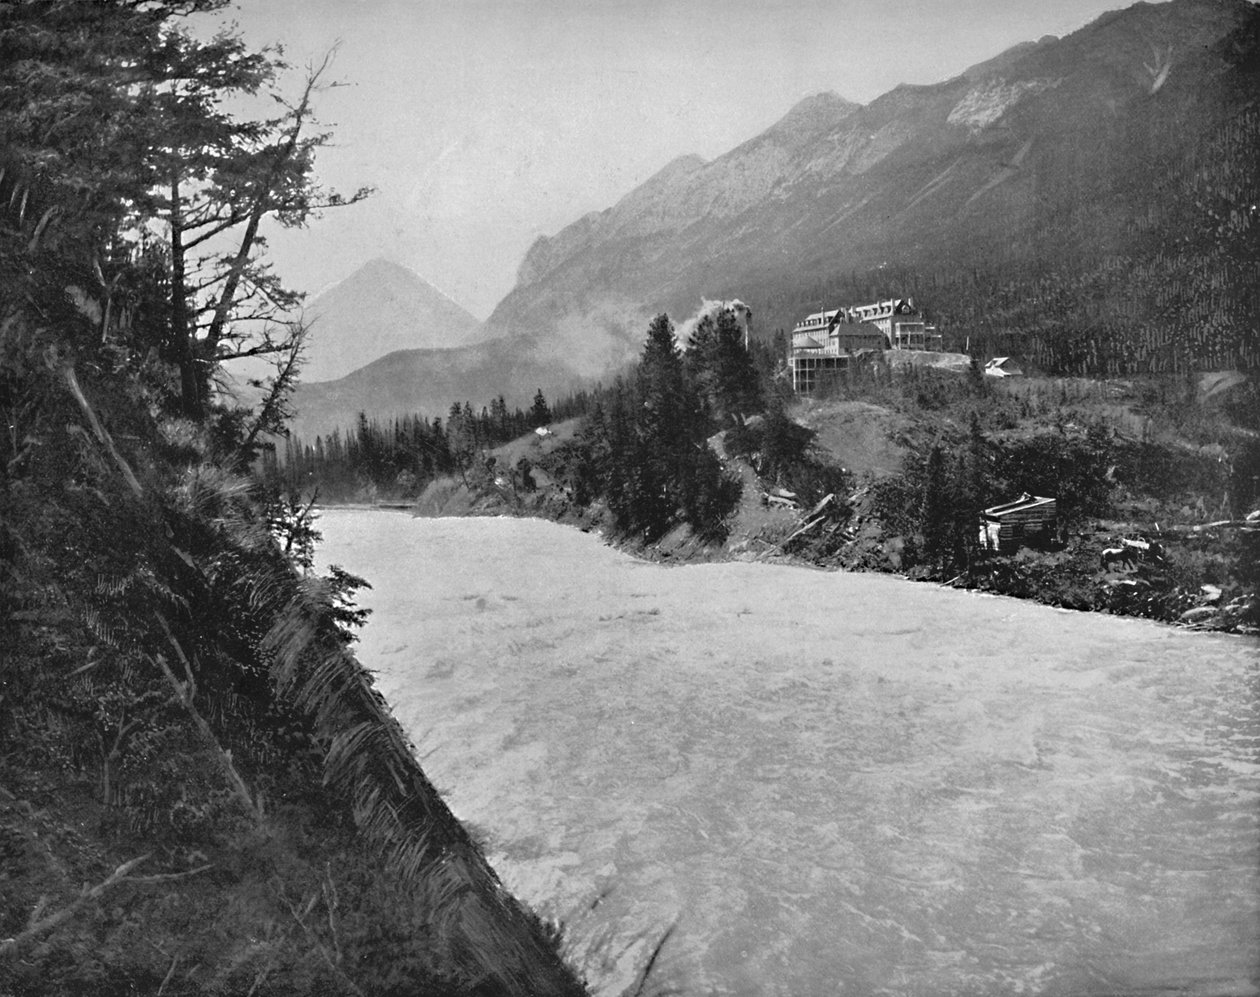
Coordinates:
700 362
784 444
722 368
186 180
461 439
539 413
499 417
676 473
736 389
669 413
935 515
971 496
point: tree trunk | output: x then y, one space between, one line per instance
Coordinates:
189 382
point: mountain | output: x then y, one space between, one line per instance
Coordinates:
380 308
427 382
1072 197
1090 204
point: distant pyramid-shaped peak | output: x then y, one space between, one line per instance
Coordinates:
381 307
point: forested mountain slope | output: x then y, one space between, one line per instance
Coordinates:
428 382
1089 202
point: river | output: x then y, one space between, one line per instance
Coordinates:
830 783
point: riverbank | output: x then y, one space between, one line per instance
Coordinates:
1186 583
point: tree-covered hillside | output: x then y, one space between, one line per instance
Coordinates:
200 790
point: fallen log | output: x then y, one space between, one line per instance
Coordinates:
804 529
779 500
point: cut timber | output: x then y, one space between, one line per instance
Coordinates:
803 530
824 503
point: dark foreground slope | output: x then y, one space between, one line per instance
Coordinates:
199 788
1088 201
201 792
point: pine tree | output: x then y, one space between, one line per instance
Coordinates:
935 514
669 413
736 390
539 413
499 417
972 495
461 439
784 444
722 369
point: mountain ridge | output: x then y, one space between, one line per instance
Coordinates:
427 382
992 163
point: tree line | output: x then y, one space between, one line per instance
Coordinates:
393 459
641 446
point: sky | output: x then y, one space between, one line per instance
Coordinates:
484 124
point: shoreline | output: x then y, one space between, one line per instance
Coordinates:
681 550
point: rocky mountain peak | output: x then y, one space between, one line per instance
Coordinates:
814 114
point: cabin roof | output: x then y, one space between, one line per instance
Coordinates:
1020 504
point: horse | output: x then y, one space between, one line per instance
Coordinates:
1146 550
1131 553
1126 556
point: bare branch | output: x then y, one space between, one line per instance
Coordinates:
315 940
168 877
184 693
191 683
10 946
106 440
272 411
218 278
169 973
299 116
230 222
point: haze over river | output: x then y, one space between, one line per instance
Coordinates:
833 783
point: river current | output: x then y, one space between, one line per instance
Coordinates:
828 783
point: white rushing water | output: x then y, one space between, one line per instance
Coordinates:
833 783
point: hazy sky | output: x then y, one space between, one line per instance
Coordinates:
486 123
